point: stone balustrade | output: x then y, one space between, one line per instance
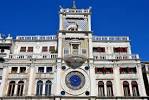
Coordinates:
35 56
115 56
36 38
110 38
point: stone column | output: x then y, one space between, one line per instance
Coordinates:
141 85
130 87
31 82
93 81
105 88
90 46
43 92
4 85
61 22
15 89
89 22
117 84
58 78
92 68
58 69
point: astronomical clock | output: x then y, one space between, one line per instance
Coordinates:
75 69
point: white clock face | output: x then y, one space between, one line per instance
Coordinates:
79 23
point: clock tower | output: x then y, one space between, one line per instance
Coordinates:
75 75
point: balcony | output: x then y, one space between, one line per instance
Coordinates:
110 38
45 75
115 56
36 38
35 56
17 75
128 76
104 76
75 11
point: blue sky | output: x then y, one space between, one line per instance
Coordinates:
109 17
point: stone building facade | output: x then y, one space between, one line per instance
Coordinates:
72 65
145 72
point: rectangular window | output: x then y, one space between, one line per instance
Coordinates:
44 49
98 49
132 70
30 49
128 70
22 69
120 49
75 49
1 70
14 69
40 69
66 51
23 49
103 70
98 70
83 51
49 69
109 70
52 49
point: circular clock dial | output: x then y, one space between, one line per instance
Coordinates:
75 80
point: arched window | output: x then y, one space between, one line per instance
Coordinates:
48 88
109 88
20 88
135 90
39 88
101 91
11 88
126 88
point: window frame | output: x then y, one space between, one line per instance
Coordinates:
23 49
30 49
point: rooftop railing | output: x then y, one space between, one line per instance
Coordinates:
30 56
116 56
110 38
37 37
75 10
